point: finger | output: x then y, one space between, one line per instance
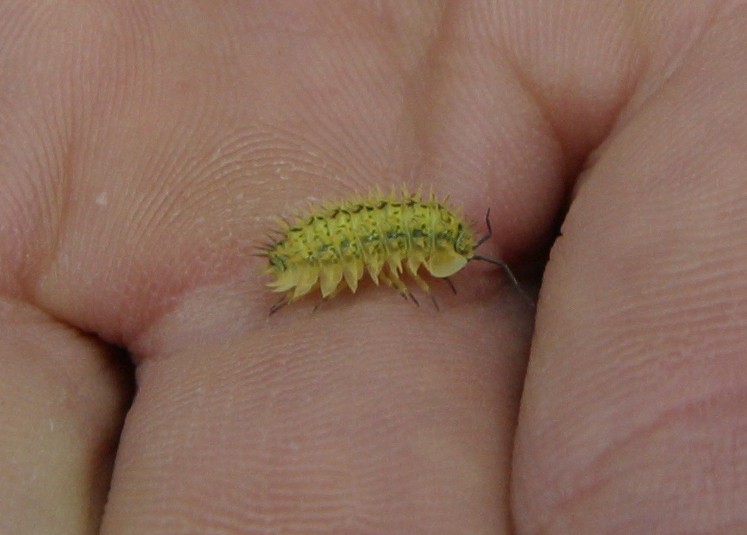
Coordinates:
62 402
316 423
633 414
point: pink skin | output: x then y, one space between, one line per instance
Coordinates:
144 151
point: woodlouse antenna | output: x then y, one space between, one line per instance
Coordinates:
510 274
502 264
487 235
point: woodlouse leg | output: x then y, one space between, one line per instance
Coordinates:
336 291
435 303
451 285
404 292
401 287
423 285
420 282
386 280
277 306
320 303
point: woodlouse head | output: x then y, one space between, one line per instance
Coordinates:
464 242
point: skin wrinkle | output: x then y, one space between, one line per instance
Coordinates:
526 87
589 483
642 93
584 498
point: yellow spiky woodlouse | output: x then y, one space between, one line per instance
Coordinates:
335 245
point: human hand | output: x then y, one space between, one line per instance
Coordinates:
145 150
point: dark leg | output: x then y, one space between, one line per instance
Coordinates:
277 306
451 285
435 303
320 303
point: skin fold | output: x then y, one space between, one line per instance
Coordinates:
146 148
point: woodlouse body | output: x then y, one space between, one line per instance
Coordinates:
383 236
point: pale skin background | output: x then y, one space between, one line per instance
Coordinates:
144 151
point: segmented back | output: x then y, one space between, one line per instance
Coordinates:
384 236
